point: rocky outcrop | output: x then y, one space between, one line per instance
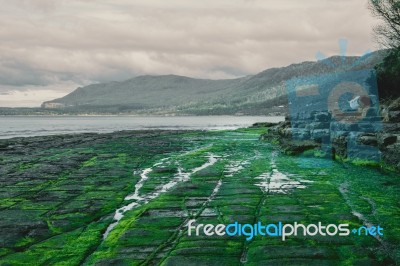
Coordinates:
372 136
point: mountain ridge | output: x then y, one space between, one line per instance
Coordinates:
176 94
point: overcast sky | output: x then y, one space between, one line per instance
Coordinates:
50 47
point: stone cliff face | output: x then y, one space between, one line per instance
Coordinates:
367 136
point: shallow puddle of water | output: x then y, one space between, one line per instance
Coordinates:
313 162
144 199
143 177
233 168
277 182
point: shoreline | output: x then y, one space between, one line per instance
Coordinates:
283 143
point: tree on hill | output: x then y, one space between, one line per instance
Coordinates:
388 35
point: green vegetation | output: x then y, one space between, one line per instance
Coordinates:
58 200
388 76
388 35
258 94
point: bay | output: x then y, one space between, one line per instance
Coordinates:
26 126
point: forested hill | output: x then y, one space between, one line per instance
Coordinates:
171 94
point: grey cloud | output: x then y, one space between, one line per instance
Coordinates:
46 42
18 73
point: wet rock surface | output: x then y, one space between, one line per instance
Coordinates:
60 194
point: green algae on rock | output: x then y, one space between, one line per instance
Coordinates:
59 195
